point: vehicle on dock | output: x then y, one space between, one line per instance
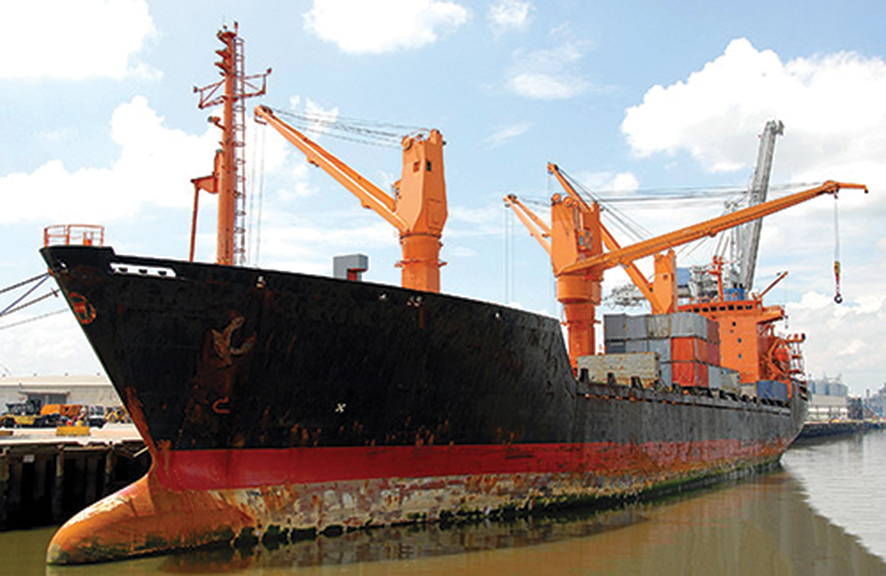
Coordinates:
21 414
95 416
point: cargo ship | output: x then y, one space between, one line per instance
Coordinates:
278 404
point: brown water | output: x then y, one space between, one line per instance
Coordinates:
820 514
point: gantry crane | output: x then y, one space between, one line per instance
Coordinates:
577 238
417 209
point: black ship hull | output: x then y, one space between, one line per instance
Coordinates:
276 402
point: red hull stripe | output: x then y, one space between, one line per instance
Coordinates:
226 469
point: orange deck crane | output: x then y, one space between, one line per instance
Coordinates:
577 238
417 209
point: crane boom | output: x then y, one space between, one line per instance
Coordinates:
538 229
417 210
708 228
748 235
370 195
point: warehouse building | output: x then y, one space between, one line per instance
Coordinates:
93 390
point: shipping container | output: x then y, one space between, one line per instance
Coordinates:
730 380
723 378
666 378
658 326
712 355
662 347
713 331
623 367
715 378
614 326
615 346
634 346
687 350
689 325
689 373
635 328
772 390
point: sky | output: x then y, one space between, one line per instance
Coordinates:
652 99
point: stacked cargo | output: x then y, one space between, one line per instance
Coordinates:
687 345
621 369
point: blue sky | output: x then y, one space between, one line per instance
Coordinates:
100 125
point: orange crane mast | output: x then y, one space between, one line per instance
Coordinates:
417 209
576 248
227 179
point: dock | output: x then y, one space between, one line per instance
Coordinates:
816 430
45 478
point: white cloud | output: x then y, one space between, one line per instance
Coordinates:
610 183
74 40
831 106
51 345
506 15
306 246
155 165
549 74
360 27
506 134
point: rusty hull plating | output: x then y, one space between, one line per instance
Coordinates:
274 403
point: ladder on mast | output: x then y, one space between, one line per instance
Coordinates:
228 179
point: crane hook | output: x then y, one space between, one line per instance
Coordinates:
837 297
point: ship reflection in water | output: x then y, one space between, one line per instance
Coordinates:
763 525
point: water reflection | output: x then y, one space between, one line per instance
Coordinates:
764 525
417 542
843 481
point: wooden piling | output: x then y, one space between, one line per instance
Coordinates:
45 484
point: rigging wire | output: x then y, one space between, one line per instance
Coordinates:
24 282
250 213
261 196
734 198
20 303
10 310
29 320
508 258
23 296
384 134
257 178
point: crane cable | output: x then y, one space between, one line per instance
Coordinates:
10 309
384 134
838 298
24 282
35 318
18 305
631 227
13 307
